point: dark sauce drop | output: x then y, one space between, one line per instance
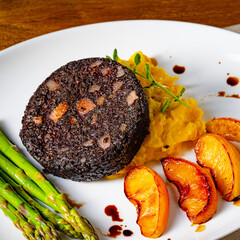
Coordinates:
112 211
178 69
114 231
221 94
232 81
127 233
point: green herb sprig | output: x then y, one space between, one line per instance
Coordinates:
149 77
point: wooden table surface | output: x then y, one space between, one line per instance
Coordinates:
24 19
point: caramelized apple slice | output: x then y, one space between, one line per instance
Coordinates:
198 195
148 192
228 128
223 160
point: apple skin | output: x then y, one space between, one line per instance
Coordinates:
222 159
198 194
228 128
148 192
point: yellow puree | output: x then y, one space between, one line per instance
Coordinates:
170 129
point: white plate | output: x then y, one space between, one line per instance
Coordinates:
199 48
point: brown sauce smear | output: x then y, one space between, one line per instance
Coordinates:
233 96
200 228
112 211
232 81
114 231
73 202
223 94
178 69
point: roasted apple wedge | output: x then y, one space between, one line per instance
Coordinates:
228 128
222 159
198 194
149 194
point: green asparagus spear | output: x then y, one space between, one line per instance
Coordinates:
56 220
79 223
17 219
38 235
20 177
28 211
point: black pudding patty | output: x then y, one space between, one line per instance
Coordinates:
87 120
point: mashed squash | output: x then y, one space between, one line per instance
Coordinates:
168 130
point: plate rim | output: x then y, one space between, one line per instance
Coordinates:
25 42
